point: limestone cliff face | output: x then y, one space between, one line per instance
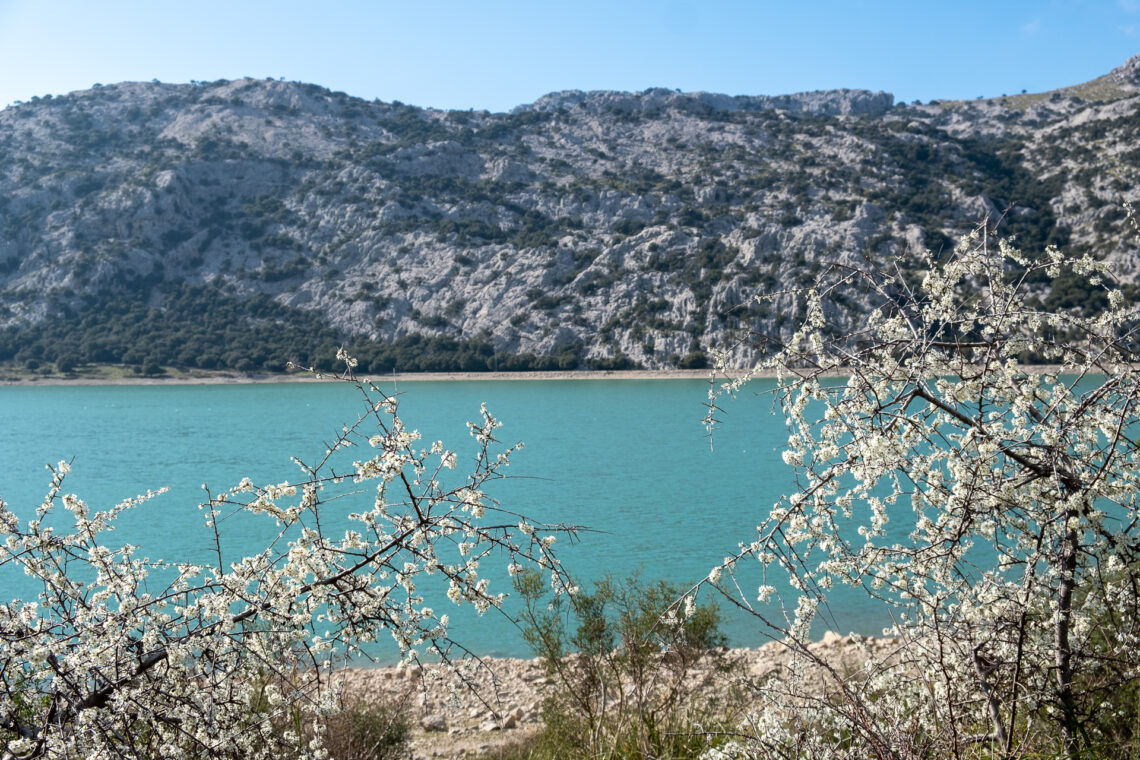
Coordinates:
595 224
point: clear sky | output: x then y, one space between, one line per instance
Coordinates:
496 55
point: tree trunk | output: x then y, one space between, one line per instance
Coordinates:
1070 730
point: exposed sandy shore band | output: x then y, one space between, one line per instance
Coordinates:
233 378
223 378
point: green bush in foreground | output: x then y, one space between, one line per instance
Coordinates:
356 730
634 676
368 731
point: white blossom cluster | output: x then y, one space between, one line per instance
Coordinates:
123 656
993 505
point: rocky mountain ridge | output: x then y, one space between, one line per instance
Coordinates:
241 224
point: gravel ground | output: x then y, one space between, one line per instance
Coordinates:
501 702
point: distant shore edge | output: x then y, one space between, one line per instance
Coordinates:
237 378
226 378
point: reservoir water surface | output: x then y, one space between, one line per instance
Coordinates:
630 459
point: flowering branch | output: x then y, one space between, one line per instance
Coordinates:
97 666
1015 577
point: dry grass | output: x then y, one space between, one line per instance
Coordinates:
1102 89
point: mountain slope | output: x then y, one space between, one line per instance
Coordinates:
242 224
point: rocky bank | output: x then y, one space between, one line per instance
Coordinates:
496 702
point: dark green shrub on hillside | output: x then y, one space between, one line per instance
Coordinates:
628 226
618 361
1071 291
694 360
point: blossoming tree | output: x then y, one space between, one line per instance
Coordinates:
120 656
993 506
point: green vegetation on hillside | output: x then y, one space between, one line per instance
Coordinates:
630 226
198 327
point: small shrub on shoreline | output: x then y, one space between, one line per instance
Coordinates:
635 676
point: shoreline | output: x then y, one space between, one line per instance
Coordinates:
260 378
398 377
498 701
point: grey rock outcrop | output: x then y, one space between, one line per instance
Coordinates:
592 228
658 99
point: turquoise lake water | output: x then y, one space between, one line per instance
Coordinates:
630 459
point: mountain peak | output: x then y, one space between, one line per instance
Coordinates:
1127 73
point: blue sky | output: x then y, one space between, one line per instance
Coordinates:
496 55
